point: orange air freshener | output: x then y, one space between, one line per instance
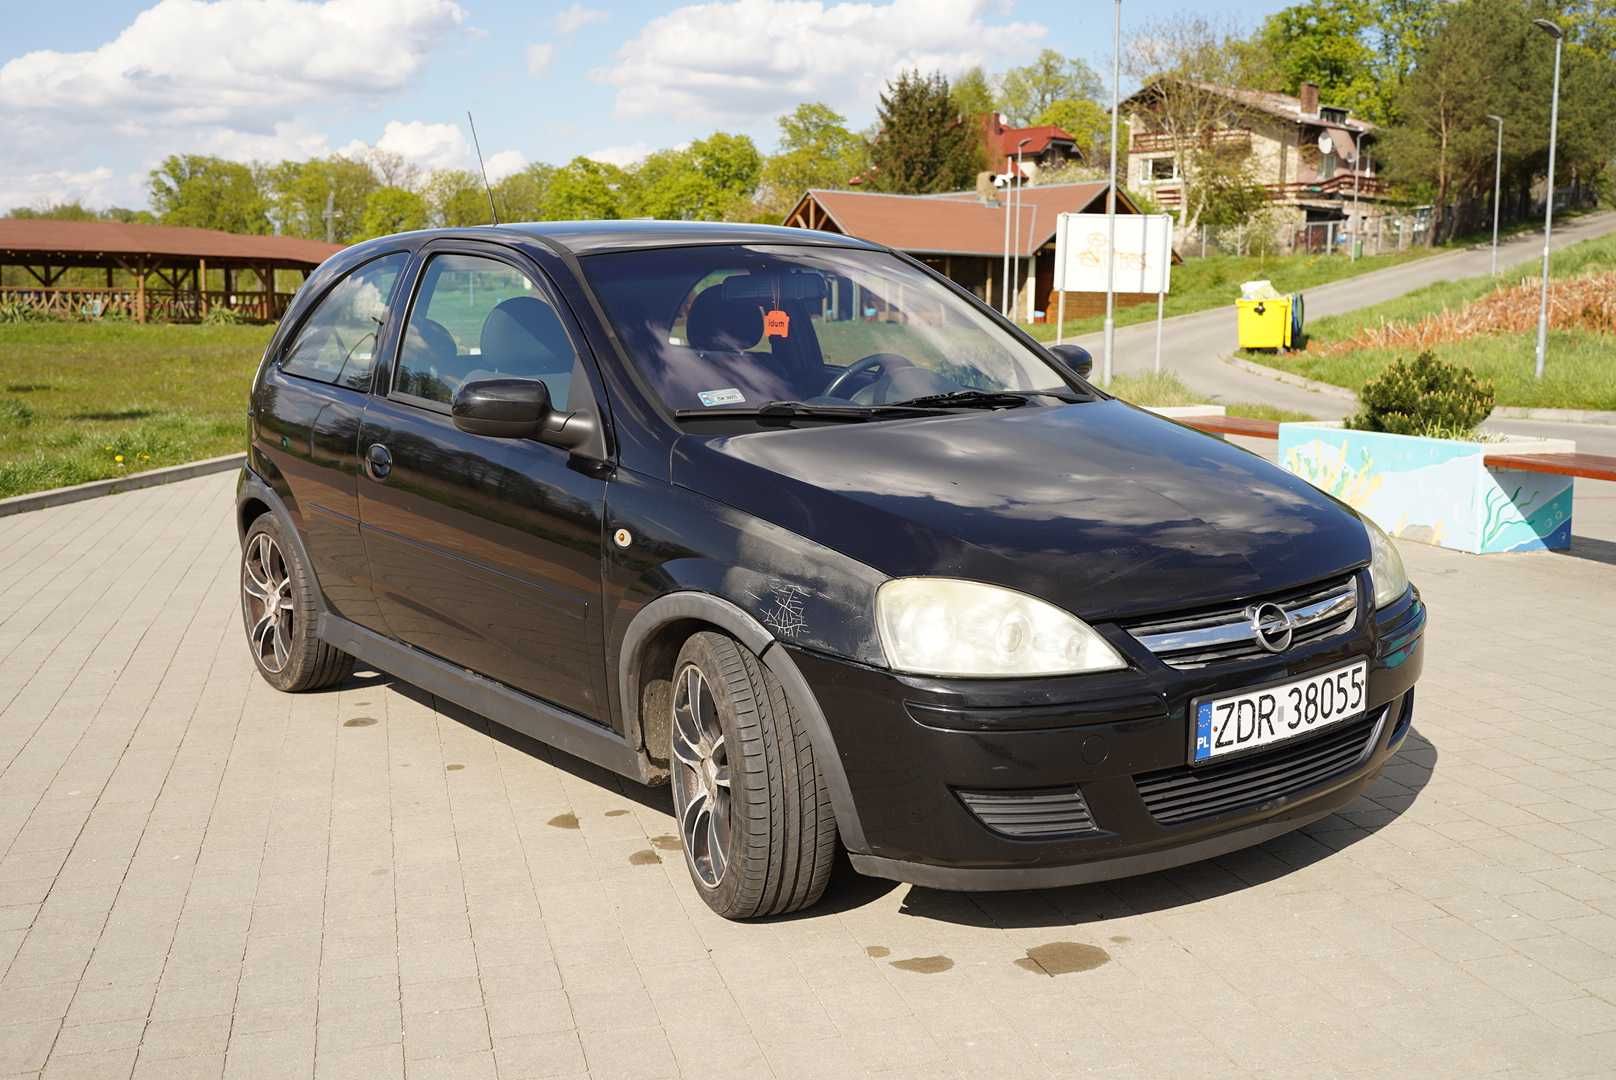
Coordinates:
776 324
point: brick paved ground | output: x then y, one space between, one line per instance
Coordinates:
200 877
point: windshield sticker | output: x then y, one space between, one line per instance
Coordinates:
776 324
727 396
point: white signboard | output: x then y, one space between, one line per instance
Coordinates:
1144 253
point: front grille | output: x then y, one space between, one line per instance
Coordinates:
1224 634
1028 815
1186 793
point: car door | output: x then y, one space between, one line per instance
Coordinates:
485 551
306 417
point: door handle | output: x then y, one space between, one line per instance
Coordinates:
378 461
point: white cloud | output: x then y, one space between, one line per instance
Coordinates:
539 57
93 187
230 62
505 163
430 146
575 18
751 59
620 155
285 140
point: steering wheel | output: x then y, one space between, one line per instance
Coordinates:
886 361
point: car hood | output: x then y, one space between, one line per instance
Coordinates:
1102 508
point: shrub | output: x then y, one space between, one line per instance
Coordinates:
1425 396
223 316
19 311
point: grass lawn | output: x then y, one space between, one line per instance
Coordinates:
1200 284
1165 389
1579 372
75 397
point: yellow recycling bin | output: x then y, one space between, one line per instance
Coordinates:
1264 323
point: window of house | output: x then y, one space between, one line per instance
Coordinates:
337 342
480 318
1163 168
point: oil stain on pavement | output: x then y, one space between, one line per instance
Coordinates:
1062 958
924 965
665 843
644 858
564 821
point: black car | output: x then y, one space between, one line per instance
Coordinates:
792 521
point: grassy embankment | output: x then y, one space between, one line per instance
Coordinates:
1457 321
87 401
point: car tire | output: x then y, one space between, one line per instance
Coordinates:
279 612
750 803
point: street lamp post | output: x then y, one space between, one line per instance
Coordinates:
1015 257
1357 216
1498 182
1004 300
1548 202
1111 196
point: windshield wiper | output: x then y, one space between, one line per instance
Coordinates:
786 409
975 399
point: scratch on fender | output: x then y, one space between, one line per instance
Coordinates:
783 609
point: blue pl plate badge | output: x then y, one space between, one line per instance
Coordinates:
1203 731
727 396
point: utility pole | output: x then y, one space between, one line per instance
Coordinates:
1004 300
330 214
1111 195
1555 32
1015 273
1498 182
1357 217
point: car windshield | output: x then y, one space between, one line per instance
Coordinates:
736 327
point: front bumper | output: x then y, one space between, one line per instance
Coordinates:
939 769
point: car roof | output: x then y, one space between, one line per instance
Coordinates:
594 237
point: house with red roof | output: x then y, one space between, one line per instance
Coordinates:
1046 147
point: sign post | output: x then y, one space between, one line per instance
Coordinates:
1143 261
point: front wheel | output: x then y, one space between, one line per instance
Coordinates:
753 812
279 611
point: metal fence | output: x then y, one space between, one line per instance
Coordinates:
1396 232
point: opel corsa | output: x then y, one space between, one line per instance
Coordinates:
794 523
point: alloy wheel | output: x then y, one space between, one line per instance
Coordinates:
266 596
701 777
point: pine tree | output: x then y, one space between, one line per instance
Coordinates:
922 144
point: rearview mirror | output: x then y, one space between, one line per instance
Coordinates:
1075 357
503 408
518 409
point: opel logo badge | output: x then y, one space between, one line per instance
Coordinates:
1272 626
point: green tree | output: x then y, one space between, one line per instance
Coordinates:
302 193
520 196
392 210
922 144
1024 92
208 193
65 211
1325 42
1090 124
816 151
586 190
973 94
455 198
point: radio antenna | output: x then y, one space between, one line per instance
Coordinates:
493 211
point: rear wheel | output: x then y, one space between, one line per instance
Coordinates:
753 812
278 609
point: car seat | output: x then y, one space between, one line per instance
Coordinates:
522 338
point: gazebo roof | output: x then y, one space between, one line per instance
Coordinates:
44 240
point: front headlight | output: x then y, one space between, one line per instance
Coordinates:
1385 566
941 626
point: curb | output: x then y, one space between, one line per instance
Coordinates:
42 500
1501 412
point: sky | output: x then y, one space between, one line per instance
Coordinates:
94 93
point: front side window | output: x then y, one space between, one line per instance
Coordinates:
480 318
744 325
337 343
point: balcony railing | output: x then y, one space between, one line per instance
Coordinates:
1338 186
1155 141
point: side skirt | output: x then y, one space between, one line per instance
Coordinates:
548 724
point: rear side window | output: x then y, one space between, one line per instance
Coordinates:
478 318
337 343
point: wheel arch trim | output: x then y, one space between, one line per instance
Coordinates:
253 488
720 613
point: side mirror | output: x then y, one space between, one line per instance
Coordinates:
1075 357
518 409
502 408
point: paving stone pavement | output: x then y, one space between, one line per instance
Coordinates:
200 877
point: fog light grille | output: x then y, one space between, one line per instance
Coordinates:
1031 815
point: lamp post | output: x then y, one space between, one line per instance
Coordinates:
1558 35
1015 257
1498 182
1111 195
1357 217
1004 300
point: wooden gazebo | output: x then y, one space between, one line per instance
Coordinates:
155 273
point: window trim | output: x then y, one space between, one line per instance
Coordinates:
417 273
296 333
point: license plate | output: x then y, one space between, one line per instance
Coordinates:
1228 725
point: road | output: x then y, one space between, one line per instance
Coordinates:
1195 346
